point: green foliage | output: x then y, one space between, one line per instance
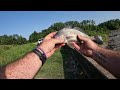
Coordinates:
12 39
72 24
111 24
34 37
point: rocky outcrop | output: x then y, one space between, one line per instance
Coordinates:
114 40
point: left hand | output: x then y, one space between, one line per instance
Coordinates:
87 48
50 44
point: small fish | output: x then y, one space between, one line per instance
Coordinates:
70 35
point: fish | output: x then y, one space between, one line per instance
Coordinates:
69 35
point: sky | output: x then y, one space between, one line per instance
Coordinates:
26 22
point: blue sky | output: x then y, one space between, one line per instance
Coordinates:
26 22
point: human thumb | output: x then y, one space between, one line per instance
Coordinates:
82 38
58 41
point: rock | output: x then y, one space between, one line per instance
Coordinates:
114 40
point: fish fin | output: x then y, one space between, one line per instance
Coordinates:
97 39
77 28
68 26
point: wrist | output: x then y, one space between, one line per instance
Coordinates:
43 48
95 50
41 54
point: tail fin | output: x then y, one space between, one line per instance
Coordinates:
98 39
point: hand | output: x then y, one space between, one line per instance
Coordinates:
50 45
87 47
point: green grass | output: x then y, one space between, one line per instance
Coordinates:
52 69
11 53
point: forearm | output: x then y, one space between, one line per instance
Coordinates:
24 68
108 59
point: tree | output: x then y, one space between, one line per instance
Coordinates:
57 26
72 24
12 39
111 24
34 37
21 40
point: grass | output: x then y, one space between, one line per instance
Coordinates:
10 53
52 69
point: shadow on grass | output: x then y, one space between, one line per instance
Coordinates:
77 67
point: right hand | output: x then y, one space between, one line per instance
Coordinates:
50 45
87 47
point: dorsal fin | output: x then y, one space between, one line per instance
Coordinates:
68 26
77 28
